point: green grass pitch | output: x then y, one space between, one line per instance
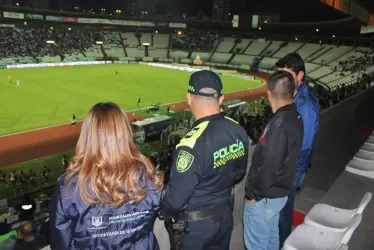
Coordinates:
50 96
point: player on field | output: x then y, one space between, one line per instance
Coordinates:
17 83
73 121
116 72
139 100
9 79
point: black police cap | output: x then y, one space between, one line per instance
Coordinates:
205 79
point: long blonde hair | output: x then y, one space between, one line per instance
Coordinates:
107 165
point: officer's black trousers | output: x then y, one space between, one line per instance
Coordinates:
210 234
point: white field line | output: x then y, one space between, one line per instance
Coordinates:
129 111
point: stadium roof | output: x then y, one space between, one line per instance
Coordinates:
369 4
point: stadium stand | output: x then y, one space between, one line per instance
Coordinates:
112 44
130 40
343 71
161 41
257 47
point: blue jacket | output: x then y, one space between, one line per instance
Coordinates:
308 107
77 225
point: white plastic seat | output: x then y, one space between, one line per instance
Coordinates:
343 247
335 219
307 237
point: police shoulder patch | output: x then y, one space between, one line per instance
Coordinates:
184 161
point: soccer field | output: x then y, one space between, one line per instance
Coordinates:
50 96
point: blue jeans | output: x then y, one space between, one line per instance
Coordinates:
286 215
260 221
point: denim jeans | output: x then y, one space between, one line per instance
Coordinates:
286 215
260 221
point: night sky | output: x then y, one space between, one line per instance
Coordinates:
290 10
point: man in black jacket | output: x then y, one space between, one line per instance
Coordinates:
273 166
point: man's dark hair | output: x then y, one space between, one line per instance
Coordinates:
26 229
292 61
282 85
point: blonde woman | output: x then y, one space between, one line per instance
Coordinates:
110 194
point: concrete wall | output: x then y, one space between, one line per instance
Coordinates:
341 133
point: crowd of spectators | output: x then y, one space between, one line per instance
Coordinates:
74 41
24 233
31 42
330 98
193 42
354 64
18 42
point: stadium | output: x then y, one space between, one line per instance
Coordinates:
56 64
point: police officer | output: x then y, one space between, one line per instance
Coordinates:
206 163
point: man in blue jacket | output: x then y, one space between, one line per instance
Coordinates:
308 107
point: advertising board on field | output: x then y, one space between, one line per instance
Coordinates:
14 15
59 64
178 25
87 20
53 18
69 19
6 25
34 16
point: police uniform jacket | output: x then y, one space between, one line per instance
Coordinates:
77 225
275 158
206 163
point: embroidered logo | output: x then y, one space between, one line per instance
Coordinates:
97 221
184 161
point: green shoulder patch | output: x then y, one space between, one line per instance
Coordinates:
184 161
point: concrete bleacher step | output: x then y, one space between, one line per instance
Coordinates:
368 147
307 198
365 155
370 140
361 167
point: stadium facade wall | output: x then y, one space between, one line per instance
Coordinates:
342 130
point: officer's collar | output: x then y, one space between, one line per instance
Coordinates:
209 118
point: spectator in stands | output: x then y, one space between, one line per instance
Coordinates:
7 237
308 107
23 179
46 172
28 240
27 209
272 172
64 162
32 177
13 178
45 231
110 194
8 243
2 178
